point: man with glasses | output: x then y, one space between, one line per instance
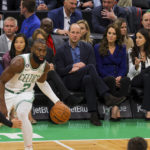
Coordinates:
105 14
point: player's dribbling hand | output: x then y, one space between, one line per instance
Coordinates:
59 102
16 123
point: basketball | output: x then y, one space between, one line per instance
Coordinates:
60 113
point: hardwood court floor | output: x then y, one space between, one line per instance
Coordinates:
78 135
72 145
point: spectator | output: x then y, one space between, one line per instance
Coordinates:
46 4
122 25
19 46
137 143
139 67
85 31
32 22
111 65
52 77
63 17
146 21
10 28
75 63
53 41
105 14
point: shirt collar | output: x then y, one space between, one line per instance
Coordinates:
7 39
78 45
65 15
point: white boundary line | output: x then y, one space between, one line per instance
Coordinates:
68 140
58 142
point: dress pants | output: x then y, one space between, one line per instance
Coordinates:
142 80
57 85
88 80
124 86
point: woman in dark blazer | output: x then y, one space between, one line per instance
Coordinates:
111 64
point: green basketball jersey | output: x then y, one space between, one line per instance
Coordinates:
25 81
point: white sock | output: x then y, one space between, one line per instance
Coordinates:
22 113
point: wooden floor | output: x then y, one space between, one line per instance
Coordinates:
72 145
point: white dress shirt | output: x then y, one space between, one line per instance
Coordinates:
9 42
132 71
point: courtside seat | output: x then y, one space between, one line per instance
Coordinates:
42 106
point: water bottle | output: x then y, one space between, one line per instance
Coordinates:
107 113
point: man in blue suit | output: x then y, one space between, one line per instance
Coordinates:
105 14
63 17
75 63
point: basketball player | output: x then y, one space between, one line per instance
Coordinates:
17 82
15 123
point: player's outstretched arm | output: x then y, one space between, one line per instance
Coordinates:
16 66
45 87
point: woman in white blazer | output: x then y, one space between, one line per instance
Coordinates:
139 67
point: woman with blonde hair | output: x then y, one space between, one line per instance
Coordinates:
85 31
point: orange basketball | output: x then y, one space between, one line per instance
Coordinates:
60 113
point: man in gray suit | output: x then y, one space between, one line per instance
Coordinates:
10 28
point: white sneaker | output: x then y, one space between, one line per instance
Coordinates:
28 148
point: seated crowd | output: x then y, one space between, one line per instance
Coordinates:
104 70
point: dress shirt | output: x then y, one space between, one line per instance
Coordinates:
8 42
66 21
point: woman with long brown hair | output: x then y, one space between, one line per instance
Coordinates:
139 67
111 64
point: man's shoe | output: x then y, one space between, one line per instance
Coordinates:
95 119
111 100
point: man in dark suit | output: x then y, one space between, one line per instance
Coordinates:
105 14
75 63
63 17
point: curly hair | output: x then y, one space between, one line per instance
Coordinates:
136 50
103 50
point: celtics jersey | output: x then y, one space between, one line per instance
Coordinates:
25 81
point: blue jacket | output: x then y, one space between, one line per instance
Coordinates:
57 16
111 65
99 24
